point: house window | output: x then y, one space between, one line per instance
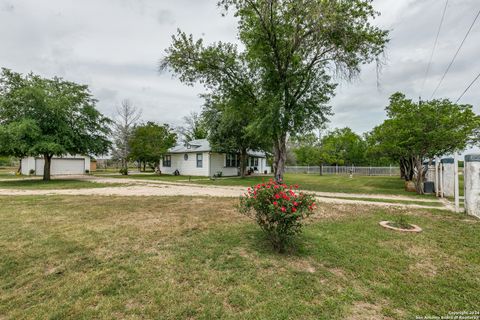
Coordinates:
199 160
185 156
167 161
231 160
256 162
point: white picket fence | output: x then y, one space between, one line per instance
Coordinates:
345 170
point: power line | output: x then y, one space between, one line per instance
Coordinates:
434 47
468 87
456 53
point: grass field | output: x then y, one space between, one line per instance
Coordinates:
327 183
197 258
53 184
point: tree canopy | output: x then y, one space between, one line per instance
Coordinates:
292 51
415 132
194 127
337 147
228 119
47 117
150 141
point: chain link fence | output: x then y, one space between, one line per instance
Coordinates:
345 170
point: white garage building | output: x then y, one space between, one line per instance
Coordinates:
65 165
196 158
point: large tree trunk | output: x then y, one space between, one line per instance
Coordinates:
402 169
46 167
407 166
19 171
419 175
280 157
243 157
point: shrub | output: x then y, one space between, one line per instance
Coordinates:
87 171
278 209
401 222
31 172
123 171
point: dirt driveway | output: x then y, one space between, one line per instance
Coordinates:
134 187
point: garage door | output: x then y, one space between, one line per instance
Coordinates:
61 166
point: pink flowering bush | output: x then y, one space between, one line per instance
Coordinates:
278 209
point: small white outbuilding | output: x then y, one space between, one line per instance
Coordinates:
65 165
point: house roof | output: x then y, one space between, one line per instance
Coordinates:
202 145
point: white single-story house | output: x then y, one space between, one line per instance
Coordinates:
60 165
196 158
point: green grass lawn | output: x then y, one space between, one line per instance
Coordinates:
53 184
330 183
197 258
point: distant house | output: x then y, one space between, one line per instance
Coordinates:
196 158
59 166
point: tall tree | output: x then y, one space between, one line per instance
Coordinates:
194 128
419 131
17 137
338 147
228 119
48 117
126 118
292 49
150 141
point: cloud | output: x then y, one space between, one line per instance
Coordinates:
7 7
114 46
165 17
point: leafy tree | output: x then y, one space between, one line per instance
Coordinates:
307 150
291 50
338 147
195 128
17 137
47 117
418 131
228 119
126 118
343 147
150 141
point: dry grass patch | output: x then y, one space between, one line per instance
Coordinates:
197 258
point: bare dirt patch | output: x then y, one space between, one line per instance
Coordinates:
362 310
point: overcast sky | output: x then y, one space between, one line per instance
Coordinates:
114 46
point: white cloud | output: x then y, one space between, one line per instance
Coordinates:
114 46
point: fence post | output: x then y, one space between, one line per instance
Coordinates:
471 172
336 169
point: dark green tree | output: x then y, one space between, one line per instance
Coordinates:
149 142
228 120
50 117
17 137
338 147
292 49
416 132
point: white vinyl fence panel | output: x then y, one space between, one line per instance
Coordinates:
345 170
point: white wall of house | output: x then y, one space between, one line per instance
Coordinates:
59 166
187 167
212 164
218 165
